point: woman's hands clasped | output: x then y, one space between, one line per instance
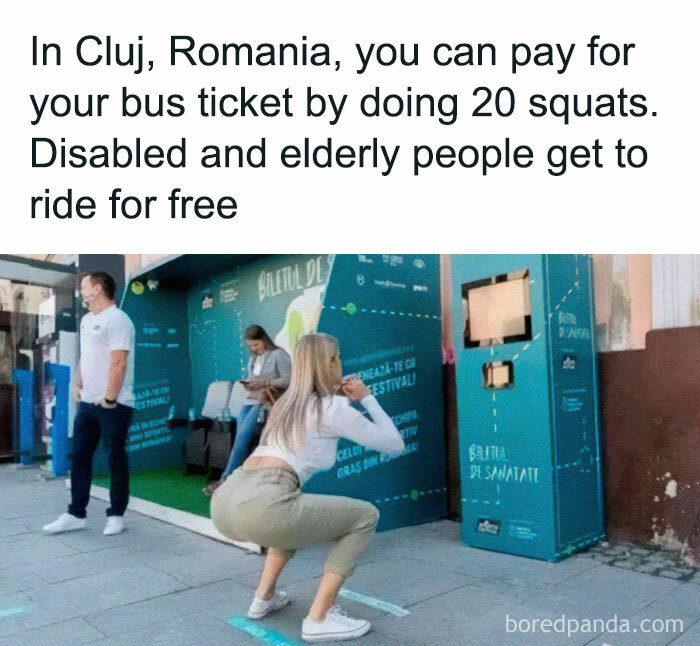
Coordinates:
354 389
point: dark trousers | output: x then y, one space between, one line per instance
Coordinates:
112 425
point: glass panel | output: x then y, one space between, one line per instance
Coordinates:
37 314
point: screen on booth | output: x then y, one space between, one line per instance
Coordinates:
497 309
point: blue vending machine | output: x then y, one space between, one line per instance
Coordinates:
527 400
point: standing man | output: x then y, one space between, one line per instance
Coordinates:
104 388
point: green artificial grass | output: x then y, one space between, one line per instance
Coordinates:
170 487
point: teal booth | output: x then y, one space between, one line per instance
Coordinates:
527 401
190 312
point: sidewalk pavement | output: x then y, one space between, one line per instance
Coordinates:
159 584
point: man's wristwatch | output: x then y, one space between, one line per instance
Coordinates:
111 402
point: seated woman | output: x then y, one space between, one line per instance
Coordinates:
261 502
268 367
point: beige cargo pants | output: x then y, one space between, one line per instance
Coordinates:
266 507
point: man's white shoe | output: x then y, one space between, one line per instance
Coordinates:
65 523
115 525
337 626
260 607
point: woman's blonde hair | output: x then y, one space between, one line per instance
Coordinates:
316 373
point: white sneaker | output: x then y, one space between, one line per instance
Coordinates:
115 525
260 607
65 523
336 626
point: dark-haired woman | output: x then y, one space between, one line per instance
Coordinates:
269 366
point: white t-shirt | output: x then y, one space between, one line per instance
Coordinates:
338 419
101 334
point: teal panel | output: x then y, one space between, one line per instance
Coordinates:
505 448
385 312
529 454
161 379
569 296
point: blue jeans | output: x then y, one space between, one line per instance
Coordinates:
111 425
246 423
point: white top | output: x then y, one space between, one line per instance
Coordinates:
101 334
255 372
338 419
258 364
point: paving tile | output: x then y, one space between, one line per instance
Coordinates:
404 582
209 566
486 565
655 625
138 531
647 568
16 579
683 599
671 574
626 564
192 630
24 499
10 601
12 528
87 594
603 592
222 599
691 636
66 633
87 563
469 615
29 548
124 556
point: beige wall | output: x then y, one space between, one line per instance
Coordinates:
638 293
623 300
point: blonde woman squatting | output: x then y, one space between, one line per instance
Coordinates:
261 501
